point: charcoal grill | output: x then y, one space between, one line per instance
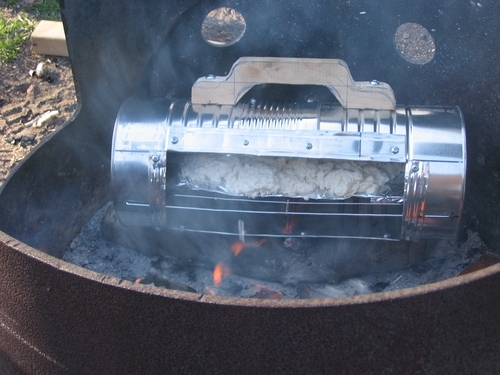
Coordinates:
59 318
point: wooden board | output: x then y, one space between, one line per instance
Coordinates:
332 73
48 38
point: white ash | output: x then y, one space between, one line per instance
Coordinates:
253 176
447 261
91 251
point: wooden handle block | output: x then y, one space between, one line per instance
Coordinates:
332 73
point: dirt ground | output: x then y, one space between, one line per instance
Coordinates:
24 97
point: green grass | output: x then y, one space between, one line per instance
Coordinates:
13 33
48 10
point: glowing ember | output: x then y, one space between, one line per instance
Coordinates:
210 291
220 271
238 246
265 292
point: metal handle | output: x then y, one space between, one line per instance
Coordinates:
332 73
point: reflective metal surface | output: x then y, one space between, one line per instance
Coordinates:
149 136
223 27
309 130
436 179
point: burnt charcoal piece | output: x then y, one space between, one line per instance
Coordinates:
305 292
379 287
267 293
162 281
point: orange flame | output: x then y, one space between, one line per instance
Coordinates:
220 271
290 225
238 246
138 280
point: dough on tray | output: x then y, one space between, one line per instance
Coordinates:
254 176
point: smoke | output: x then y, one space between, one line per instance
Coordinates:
160 51
272 269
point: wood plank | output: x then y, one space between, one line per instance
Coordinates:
332 73
48 38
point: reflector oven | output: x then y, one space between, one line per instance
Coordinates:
374 170
56 317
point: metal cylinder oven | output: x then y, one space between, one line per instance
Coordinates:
424 145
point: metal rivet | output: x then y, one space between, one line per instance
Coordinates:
155 158
310 100
309 145
253 101
210 76
415 168
395 150
387 235
175 140
374 82
246 142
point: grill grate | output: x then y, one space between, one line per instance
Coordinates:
356 217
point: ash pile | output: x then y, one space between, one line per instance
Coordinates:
270 268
